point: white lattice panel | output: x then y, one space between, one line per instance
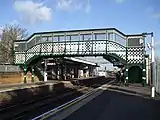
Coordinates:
58 48
135 55
68 48
99 47
19 58
114 48
81 48
29 56
46 48
34 49
74 47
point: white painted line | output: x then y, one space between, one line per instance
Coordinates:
59 108
53 111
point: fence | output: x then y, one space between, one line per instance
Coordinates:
157 79
9 68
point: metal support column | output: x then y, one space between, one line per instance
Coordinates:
153 60
32 74
62 68
126 74
126 66
25 72
65 72
45 70
153 66
153 78
144 74
144 66
58 70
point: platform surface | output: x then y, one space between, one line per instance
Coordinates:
116 105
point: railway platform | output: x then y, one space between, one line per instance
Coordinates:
110 102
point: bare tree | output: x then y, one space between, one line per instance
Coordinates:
10 33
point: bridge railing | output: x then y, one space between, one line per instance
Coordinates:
73 48
70 36
82 42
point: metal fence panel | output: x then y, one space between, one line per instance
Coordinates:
156 81
9 68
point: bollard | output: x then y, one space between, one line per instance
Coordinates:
45 76
32 75
153 92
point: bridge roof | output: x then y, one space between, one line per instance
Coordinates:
81 61
80 30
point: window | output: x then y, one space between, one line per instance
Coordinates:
68 38
74 38
61 38
38 39
100 36
23 46
86 37
120 40
55 39
133 42
44 39
111 36
50 38
31 43
20 46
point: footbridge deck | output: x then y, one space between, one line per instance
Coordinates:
113 45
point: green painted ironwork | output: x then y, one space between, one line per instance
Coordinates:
25 72
110 43
32 69
71 49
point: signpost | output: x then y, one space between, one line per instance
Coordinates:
153 77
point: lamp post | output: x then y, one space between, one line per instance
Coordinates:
152 63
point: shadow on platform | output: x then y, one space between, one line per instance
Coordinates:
112 105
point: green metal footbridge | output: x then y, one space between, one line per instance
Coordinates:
116 47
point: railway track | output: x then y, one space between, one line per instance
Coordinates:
28 110
52 114
21 111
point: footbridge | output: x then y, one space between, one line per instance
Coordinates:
118 48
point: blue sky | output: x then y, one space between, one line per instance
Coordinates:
129 16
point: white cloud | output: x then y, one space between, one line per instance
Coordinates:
70 5
88 7
65 4
32 12
119 1
156 15
14 22
151 11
